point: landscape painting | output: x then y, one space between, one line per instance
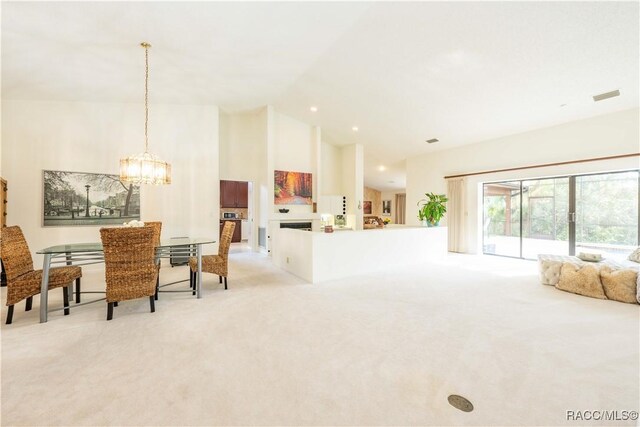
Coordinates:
78 198
293 188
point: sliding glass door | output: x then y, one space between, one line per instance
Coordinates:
607 213
501 223
545 227
562 215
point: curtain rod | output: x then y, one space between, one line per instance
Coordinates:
594 159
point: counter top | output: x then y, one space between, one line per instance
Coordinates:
370 230
318 256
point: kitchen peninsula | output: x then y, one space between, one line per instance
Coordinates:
318 257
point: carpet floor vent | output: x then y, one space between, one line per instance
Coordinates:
460 402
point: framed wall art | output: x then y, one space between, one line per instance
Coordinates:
386 207
82 198
293 188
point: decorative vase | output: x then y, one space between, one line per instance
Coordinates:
425 223
432 224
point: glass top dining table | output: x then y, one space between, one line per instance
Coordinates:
75 248
92 253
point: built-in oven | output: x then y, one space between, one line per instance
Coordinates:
229 215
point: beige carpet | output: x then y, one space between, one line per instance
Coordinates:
383 349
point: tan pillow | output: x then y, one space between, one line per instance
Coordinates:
635 256
581 280
619 285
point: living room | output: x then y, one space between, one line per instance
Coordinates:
523 117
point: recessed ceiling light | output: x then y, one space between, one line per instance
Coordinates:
391 182
607 95
355 128
563 105
432 140
381 168
313 109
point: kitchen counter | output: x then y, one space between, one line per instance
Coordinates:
318 257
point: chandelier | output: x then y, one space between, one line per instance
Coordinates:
145 168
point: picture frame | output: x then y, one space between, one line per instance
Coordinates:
293 188
386 207
72 199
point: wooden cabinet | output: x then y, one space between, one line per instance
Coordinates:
234 194
237 232
242 195
228 194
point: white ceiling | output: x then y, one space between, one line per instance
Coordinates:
462 72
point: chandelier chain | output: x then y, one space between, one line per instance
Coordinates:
146 98
145 168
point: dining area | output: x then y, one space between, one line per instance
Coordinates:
131 255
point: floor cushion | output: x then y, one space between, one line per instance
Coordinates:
581 280
619 285
550 265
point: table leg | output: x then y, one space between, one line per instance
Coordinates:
44 288
68 258
199 281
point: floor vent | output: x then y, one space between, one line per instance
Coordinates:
460 402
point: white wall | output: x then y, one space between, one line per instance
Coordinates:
243 145
92 137
331 164
353 182
601 136
293 145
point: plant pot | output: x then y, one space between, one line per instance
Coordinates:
432 224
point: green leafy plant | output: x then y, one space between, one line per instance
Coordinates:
432 209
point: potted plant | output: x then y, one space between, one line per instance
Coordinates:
432 209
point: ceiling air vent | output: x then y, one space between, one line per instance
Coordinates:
432 141
607 95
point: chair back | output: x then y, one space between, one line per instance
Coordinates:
225 239
157 230
15 253
129 256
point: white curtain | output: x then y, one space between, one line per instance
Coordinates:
457 214
401 202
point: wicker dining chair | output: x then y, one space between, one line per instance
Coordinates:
23 282
216 264
130 268
157 230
